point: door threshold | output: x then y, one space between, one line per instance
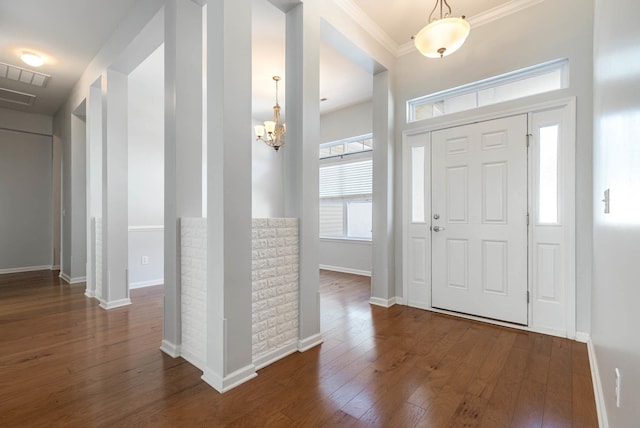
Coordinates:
499 323
478 317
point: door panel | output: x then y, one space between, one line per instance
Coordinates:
479 226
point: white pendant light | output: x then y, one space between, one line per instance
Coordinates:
442 36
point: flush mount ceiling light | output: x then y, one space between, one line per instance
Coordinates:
273 128
32 59
442 36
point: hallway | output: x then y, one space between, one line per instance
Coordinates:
64 361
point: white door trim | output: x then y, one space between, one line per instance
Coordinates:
568 207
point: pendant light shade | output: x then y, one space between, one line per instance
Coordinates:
443 36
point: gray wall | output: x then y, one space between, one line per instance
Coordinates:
26 220
532 36
349 256
616 235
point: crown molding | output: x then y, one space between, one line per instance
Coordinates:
481 19
368 24
501 11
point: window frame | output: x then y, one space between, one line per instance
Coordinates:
337 159
561 65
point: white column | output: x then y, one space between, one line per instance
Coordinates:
114 191
382 275
301 156
78 254
183 149
93 181
229 353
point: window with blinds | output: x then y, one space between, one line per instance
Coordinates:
346 199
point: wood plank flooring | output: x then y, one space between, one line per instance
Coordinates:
66 362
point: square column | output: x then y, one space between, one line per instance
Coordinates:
301 157
383 244
230 135
183 149
115 214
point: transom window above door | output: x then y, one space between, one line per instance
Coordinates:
537 79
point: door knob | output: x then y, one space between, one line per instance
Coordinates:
438 228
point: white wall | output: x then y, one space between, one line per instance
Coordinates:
146 171
347 122
336 254
543 32
26 220
616 236
267 175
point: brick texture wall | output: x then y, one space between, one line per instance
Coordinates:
274 287
98 255
274 284
193 263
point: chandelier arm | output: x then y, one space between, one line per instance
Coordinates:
435 6
448 7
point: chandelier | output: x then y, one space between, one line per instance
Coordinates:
272 133
442 36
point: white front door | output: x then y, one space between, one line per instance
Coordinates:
479 219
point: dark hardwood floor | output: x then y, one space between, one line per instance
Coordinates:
66 362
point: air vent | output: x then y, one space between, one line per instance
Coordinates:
16 97
23 75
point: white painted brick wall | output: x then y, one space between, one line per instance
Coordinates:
193 263
274 284
98 255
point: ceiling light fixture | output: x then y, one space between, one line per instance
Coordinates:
273 128
442 36
32 59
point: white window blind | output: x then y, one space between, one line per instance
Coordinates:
345 199
346 179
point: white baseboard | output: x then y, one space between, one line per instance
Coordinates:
77 280
55 267
385 303
150 283
230 381
90 293
346 270
603 421
309 342
115 304
271 357
25 269
192 358
582 337
170 349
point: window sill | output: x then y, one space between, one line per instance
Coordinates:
346 240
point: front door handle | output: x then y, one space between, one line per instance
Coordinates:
439 228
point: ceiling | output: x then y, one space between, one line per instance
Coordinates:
69 33
407 17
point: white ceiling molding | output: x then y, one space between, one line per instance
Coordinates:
368 24
480 19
